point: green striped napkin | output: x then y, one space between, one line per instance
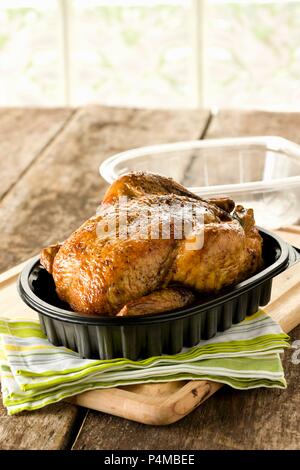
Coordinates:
34 373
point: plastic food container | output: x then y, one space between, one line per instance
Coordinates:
152 335
258 172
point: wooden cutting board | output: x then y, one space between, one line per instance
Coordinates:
165 403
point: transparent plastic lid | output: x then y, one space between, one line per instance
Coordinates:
259 172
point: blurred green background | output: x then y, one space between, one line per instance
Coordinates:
144 53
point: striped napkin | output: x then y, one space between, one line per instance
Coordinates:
34 373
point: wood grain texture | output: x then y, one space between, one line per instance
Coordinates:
24 133
50 428
160 404
64 188
56 193
238 123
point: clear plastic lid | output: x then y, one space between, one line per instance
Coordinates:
258 172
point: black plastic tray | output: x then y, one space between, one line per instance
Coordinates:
152 335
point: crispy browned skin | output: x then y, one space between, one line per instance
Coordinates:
224 202
138 184
47 256
100 274
159 301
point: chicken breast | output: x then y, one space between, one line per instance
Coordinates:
151 263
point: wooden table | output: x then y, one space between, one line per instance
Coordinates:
49 185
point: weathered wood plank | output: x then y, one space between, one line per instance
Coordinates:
60 190
233 123
24 133
230 419
63 188
48 429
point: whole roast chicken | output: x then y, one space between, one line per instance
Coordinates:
135 258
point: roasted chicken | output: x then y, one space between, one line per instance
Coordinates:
150 264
